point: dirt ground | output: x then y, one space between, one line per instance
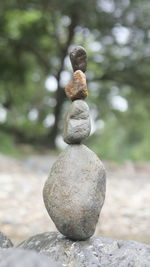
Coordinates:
125 215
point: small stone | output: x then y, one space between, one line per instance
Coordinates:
77 124
78 88
5 242
74 192
78 58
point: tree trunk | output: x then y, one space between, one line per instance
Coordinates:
57 111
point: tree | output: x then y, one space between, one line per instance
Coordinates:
35 39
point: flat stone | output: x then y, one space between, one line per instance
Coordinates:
78 58
17 257
77 125
74 192
94 252
5 242
78 88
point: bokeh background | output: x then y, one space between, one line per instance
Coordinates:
35 38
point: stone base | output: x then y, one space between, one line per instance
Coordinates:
5 242
16 257
92 252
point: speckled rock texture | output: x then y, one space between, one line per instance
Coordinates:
5 242
78 58
16 257
78 88
94 252
74 193
77 125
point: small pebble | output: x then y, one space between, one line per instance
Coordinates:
78 58
78 88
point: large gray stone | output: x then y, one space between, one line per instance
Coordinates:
77 125
96 252
74 192
5 242
16 257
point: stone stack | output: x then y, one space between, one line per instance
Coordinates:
74 193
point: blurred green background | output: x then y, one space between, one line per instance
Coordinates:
35 38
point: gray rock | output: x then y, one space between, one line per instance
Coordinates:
5 242
77 124
16 257
94 252
74 192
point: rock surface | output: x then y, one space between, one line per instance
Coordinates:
94 252
78 58
77 125
16 257
5 242
78 88
74 192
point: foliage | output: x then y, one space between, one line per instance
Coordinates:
8 146
35 37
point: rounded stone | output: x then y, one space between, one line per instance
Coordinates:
77 125
78 88
74 192
78 58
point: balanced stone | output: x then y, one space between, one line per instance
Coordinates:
78 58
78 88
77 124
74 192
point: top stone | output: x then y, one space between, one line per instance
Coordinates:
78 58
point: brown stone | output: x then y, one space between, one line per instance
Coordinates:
78 88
